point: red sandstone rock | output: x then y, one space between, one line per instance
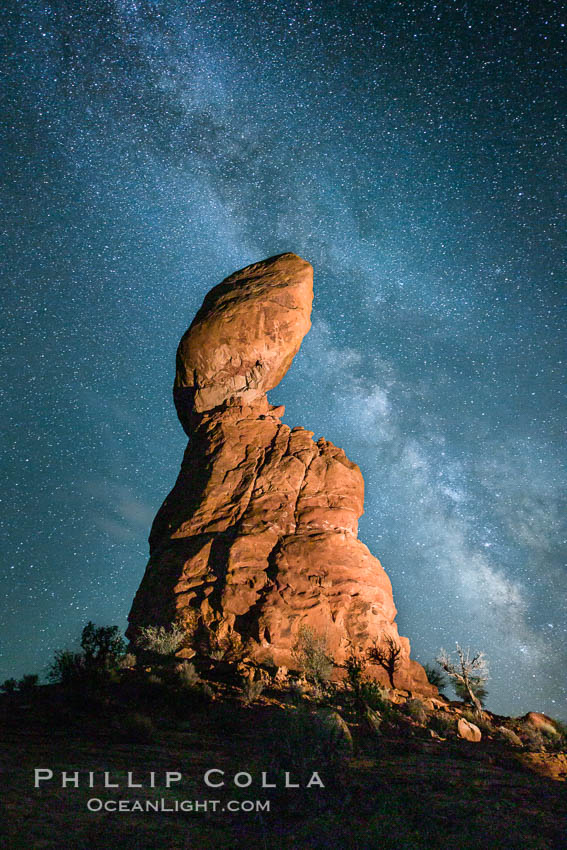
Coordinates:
540 721
468 731
550 765
258 535
244 337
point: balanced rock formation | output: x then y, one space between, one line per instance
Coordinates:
259 535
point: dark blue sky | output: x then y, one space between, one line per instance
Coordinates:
415 154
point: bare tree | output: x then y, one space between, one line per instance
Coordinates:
469 671
387 655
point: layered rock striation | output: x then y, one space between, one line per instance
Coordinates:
259 535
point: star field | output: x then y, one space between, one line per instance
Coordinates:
414 153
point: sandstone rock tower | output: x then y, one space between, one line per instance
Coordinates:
259 534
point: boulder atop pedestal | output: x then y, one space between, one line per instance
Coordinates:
257 541
243 339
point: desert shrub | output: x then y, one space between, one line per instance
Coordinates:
102 651
187 675
226 649
161 640
252 690
27 685
375 696
532 738
442 723
102 646
198 694
435 677
366 691
67 668
548 730
558 743
137 728
482 721
340 736
176 690
311 653
301 742
355 666
415 709
551 737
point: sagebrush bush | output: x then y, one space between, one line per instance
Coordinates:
482 721
415 709
296 692
551 737
532 738
311 653
375 696
442 723
128 660
162 640
301 742
548 730
187 675
559 742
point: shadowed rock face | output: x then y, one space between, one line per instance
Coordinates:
259 534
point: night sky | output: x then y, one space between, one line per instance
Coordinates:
414 153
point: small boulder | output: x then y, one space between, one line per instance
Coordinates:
510 736
468 731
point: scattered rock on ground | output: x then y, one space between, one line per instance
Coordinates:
510 736
468 731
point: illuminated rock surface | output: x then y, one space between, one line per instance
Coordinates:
259 534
